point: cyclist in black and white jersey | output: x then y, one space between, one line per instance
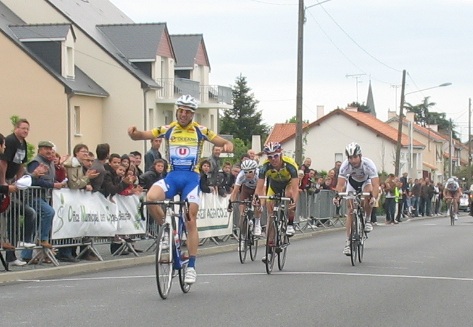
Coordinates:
452 191
358 173
245 185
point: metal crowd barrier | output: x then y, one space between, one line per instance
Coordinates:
313 211
22 223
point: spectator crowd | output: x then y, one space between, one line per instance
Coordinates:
111 173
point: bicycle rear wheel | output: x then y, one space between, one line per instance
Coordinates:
270 248
164 260
353 241
242 240
184 263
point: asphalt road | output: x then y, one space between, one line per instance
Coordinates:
417 273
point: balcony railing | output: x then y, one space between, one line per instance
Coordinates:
216 94
172 88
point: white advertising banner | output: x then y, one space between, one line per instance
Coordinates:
80 213
213 218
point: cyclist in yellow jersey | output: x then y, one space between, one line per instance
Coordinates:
185 139
281 174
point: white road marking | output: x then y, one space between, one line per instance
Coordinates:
326 273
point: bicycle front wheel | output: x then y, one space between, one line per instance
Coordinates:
252 244
361 240
242 241
283 242
184 263
270 248
354 240
452 214
164 260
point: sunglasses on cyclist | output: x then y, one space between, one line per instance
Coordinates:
249 172
274 156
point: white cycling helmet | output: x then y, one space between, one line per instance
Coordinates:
272 147
353 149
187 101
249 165
452 185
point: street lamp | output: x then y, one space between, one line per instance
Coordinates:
429 88
399 129
300 63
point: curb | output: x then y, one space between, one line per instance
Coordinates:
11 277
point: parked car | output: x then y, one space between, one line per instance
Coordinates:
464 202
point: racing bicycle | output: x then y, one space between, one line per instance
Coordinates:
276 245
246 231
171 260
451 211
357 230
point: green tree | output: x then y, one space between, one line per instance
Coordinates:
424 116
243 120
239 149
293 119
361 107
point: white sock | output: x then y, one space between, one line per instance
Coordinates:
258 222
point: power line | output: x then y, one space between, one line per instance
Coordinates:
346 56
357 44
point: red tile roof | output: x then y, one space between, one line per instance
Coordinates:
284 132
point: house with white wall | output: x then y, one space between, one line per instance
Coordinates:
325 139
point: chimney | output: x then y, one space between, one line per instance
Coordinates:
392 114
320 112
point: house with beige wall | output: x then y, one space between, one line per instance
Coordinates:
433 163
129 61
40 84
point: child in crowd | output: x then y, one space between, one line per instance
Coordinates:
131 188
225 180
205 180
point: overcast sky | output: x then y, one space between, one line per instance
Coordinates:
364 39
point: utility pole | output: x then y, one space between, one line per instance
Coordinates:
300 76
300 64
469 142
399 128
450 143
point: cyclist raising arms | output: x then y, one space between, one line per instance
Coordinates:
281 174
185 139
358 173
453 191
245 184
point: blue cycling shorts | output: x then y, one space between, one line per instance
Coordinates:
181 182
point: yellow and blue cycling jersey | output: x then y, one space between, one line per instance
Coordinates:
278 179
184 144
